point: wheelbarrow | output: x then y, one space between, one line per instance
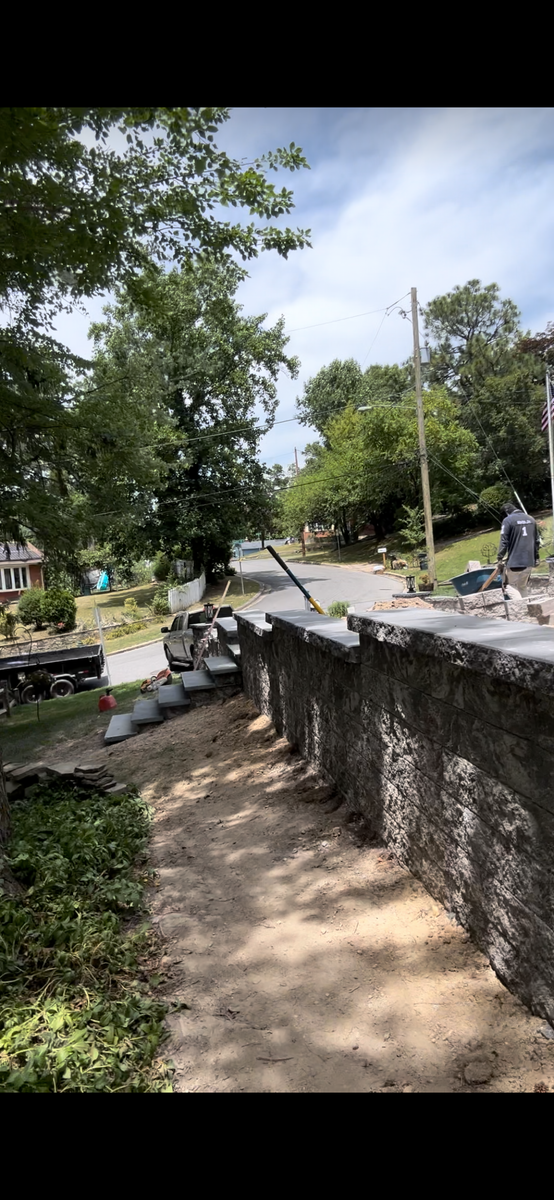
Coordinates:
480 580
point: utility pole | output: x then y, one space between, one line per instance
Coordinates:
304 529
422 446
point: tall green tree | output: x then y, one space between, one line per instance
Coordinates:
341 384
479 355
89 198
207 369
370 466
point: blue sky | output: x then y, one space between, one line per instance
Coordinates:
395 198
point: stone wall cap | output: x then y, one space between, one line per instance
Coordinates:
515 652
327 633
256 622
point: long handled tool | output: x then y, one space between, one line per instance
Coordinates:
296 581
498 567
203 644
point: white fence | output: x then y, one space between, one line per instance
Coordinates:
189 593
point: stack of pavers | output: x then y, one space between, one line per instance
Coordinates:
21 780
218 677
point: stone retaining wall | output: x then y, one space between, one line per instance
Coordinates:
439 729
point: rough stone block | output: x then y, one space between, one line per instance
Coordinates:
27 774
62 769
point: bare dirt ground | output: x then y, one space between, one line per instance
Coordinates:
311 961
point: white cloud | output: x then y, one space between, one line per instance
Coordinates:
395 198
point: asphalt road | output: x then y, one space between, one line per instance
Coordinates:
325 584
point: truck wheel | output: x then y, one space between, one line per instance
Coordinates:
169 658
28 694
61 688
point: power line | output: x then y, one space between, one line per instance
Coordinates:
336 321
493 511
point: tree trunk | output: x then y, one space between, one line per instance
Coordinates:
344 529
263 539
7 881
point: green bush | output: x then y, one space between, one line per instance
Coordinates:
131 606
123 630
8 622
162 567
494 497
141 573
160 602
30 610
339 608
412 530
73 1014
59 609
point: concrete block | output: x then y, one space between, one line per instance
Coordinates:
120 728
194 681
173 696
220 665
147 712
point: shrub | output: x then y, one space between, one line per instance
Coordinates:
74 1014
494 497
162 567
339 608
30 610
160 602
123 630
59 609
131 606
412 529
8 622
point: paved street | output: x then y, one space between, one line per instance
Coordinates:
325 584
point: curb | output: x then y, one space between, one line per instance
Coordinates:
255 598
152 642
127 650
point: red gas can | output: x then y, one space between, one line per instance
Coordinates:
107 701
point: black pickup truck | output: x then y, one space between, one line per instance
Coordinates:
53 673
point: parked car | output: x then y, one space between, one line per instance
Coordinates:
179 640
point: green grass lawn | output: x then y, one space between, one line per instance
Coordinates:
112 604
451 556
24 738
235 596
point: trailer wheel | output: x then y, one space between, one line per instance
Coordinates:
28 694
61 688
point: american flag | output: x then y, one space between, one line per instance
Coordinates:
549 402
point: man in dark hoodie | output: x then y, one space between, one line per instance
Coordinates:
519 544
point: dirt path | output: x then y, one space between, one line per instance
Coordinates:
311 961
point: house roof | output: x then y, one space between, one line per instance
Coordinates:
10 553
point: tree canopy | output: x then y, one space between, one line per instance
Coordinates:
92 199
196 367
483 402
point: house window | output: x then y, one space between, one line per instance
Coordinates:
7 579
24 577
16 578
